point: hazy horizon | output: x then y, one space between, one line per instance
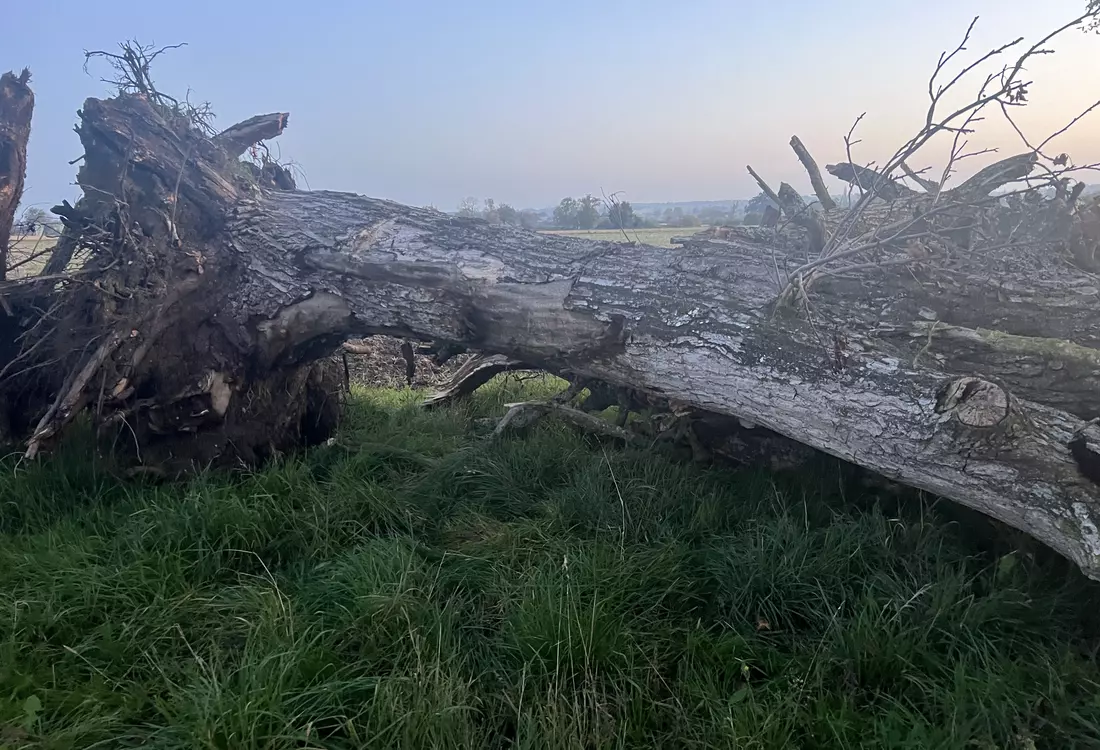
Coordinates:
428 104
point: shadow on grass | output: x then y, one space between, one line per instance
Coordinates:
414 586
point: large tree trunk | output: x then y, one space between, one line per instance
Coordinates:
21 389
16 106
948 358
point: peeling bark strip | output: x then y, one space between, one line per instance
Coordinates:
16 107
283 277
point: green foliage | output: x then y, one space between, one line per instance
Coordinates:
588 212
411 586
620 215
507 214
573 213
566 213
529 218
758 203
472 208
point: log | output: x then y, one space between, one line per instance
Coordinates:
885 362
867 179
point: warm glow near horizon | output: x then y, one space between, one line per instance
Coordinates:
529 102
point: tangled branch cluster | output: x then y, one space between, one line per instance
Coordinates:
891 224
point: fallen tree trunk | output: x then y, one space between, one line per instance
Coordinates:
961 367
697 326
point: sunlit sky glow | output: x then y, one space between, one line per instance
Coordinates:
526 102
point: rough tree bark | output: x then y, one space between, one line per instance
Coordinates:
16 107
19 394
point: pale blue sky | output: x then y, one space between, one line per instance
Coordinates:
427 102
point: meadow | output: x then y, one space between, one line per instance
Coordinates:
658 236
413 585
28 255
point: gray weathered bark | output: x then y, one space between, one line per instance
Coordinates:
881 360
698 325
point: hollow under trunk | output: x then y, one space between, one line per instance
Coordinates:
954 355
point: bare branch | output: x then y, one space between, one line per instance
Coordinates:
822 192
925 183
867 179
764 187
996 175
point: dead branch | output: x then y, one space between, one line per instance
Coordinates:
71 399
524 414
764 187
996 175
822 192
475 373
236 139
928 185
870 181
133 75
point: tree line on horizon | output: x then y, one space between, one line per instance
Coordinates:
589 213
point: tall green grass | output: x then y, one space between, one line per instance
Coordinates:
412 586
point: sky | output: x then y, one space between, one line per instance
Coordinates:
528 101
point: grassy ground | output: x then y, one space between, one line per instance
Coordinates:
412 587
660 236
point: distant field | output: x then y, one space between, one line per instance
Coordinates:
662 236
31 248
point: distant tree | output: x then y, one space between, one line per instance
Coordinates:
754 211
469 208
621 216
714 216
758 203
677 217
530 219
588 212
567 213
507 215
33 219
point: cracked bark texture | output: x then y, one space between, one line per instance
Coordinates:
890 367
696 325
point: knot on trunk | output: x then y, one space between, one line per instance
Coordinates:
1085 449
974 403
